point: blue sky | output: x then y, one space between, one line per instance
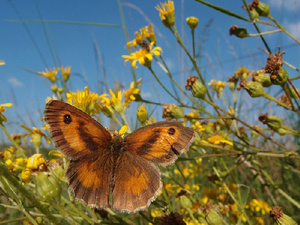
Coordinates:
221 54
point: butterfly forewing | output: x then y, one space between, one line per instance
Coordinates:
73 131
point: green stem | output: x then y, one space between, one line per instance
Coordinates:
167 71
163 86
126 34
271 98
11 179
12 140
283 29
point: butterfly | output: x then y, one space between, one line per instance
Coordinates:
106 170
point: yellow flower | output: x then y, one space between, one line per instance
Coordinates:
148 32
26 174
35 161
105 105
170 188
116 101
123 130
218 86
242 73
2 62
192 22
65 71
2 109
56 153
137 40
84 100
36 135
7 153
49 98
130 94
9 164
259 221
151 120
198 127
142 114
50 74
217 139
189 221
167 13
256 205
143 56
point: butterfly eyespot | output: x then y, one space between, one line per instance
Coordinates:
67 119
171 131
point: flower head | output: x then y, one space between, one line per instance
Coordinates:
2 109
218 86
141 114
65 71
167 13
242 73
36 135
84 100
116 101
218 139
143 56
130 94
171 111
192 22
148 31
50 74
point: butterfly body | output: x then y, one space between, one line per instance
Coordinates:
106 170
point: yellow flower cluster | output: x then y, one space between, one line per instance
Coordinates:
92 103
51 73
146 32
2 109
143 56
26 166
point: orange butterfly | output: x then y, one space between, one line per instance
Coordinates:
108 171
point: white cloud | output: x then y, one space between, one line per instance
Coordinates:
15 82
286 4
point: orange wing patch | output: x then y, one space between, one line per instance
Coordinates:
73 131
90 177
160 142
137 183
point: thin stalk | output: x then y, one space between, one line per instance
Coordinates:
11 179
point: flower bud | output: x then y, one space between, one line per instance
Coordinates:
262 78
198 89
47 187
281 77
280 218
239 32
65 71
254 89
254 14
262 8
54 88
26 174
35 161
192 22
185 202
60 90
142 114
212 217
36 139
172 111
